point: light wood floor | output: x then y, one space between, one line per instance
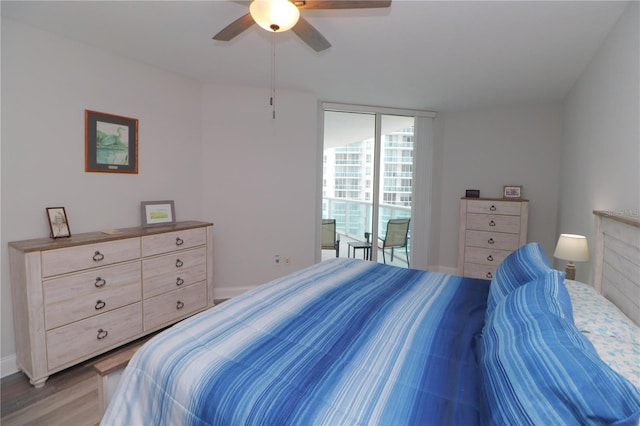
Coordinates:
69 398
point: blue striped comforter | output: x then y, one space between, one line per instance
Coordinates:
344 342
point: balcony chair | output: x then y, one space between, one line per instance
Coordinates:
330 238
397 236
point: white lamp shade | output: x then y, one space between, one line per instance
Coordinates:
572 248
274 15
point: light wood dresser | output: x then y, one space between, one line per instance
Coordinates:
75 298
490 229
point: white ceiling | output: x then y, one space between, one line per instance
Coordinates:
433 55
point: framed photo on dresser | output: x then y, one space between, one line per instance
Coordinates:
512 191
158 213
58 223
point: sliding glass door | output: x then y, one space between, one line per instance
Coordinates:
367 181
348 174
395 164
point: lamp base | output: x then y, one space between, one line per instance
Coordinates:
570 271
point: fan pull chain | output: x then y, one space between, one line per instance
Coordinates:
273 74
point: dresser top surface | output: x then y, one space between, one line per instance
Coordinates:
40 244
520 200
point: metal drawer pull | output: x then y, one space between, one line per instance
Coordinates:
97 256
102 334
493 208
179 281
100 304
179 241
179 263
100 282
492 223
179 305
490 241
489 275
490 258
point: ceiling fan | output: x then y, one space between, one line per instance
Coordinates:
279 15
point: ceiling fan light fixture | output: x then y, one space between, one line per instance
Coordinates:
274 15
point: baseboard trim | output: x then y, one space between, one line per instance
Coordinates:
444 269
229 292
8 366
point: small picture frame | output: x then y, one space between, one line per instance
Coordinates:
58 223
472 193
111 143
156 213
512 191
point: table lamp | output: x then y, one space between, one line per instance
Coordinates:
573 248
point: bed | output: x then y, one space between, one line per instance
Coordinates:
350 342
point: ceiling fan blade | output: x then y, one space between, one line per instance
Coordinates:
235 28
341 4
310 35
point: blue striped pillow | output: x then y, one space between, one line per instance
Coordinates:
521 266
537 368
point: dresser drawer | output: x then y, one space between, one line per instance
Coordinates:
173 262
159 284
174 305
473 270
492 240
494 207
76 297
93 335
492 222
484 256
70 259
171 241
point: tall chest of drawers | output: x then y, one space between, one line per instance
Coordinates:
78 297
490 229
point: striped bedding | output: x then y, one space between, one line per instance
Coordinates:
343 342
537 368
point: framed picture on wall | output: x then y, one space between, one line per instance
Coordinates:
158 213
111 143
58 223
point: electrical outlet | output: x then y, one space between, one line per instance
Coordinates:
287 260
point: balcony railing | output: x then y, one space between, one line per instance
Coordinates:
353 218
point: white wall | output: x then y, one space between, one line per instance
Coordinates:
259 183
601 146
486 149
47 83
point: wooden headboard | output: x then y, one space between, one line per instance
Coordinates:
616 266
